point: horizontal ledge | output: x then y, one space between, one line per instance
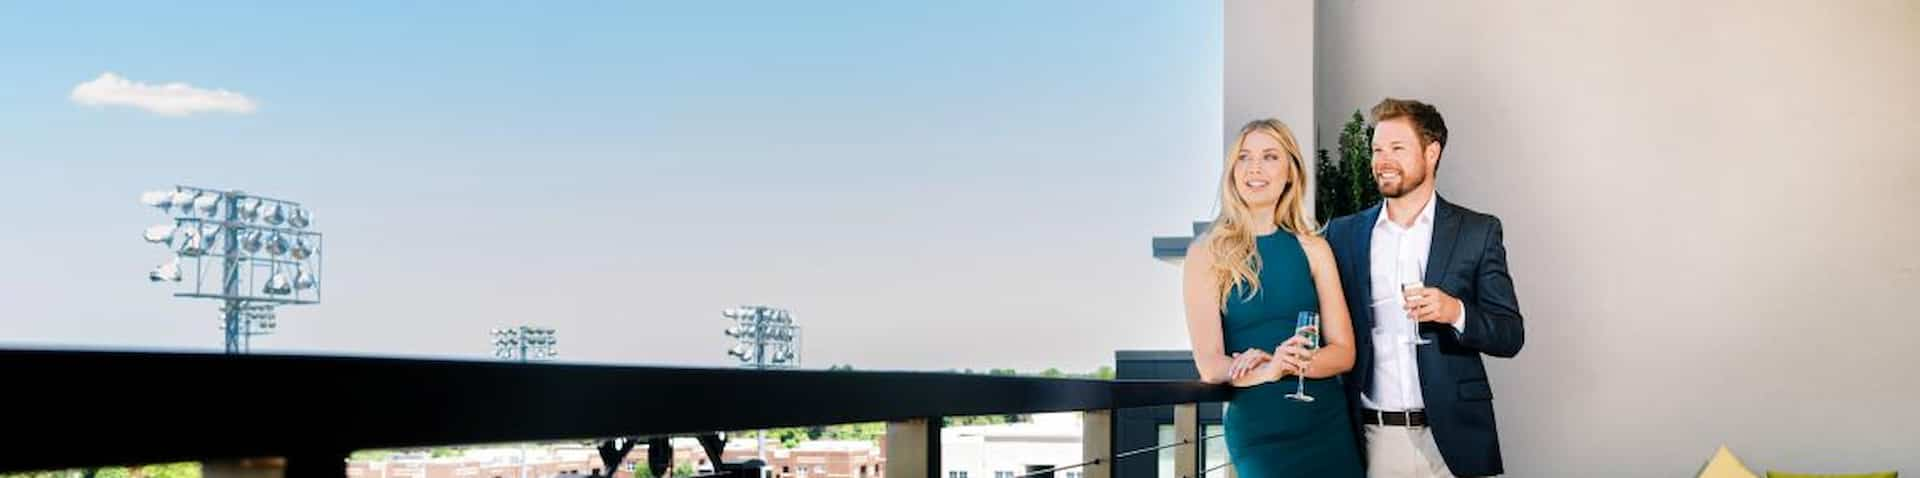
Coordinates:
280 405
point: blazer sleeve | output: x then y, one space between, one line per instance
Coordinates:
1494 325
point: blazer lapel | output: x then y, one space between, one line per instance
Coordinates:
1446 231
1360 270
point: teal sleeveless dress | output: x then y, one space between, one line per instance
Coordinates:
1268 435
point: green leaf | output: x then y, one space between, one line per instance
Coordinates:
1345 176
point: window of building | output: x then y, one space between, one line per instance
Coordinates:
1003 474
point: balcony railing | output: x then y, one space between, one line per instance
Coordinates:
70 409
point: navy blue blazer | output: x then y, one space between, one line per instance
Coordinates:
1468 260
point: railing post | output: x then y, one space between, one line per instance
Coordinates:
1186 429
1096 443
913 448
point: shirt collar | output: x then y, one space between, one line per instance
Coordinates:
1424 218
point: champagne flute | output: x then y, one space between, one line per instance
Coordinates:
1411 283
1306 326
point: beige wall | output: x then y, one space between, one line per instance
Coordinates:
1709 208
1269 66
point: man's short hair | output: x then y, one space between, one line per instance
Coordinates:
1426 120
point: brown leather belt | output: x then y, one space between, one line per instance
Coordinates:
1414 418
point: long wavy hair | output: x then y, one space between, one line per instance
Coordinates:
1235 260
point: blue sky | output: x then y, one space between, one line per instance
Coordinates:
967 184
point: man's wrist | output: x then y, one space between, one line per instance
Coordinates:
1460 320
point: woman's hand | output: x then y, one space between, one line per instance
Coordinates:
1272 370
1246 362
1293 355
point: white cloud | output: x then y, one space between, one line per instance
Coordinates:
171 99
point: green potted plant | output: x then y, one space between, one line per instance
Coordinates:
1344 184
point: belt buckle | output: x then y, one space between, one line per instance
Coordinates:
1406 418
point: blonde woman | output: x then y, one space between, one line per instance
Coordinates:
1261 265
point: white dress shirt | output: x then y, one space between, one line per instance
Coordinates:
1396 377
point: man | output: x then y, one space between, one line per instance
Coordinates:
1425 406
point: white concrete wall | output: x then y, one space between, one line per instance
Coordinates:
1269 68
1708 208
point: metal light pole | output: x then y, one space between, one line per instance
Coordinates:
266 255
524 344
767 339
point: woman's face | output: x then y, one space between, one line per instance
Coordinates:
1260 170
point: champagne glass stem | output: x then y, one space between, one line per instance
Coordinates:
1303 376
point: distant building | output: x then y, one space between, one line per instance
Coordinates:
817 459
1173 249
1012 449
1145 427
812 459
480 463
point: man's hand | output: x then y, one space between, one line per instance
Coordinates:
1430 304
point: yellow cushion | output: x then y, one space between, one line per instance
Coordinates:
1725 465
1782 474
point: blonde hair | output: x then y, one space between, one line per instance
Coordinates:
1235 259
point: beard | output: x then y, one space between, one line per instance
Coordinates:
1407 183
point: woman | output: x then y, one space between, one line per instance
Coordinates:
1261 264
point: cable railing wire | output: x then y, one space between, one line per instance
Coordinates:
1215 468
1118 456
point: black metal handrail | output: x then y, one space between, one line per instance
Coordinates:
66 407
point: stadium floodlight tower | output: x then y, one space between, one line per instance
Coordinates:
252 253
